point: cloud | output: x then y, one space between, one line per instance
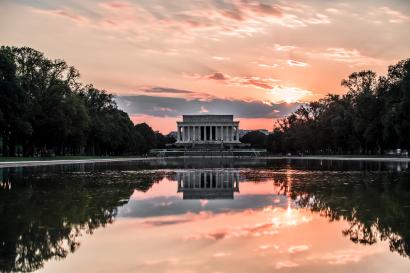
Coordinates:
333 10
159 106
158 90
286 48
266 9
243 81
345 55
217 76
189 20
296 63
65 13
394 16
115 5
203 110
289 94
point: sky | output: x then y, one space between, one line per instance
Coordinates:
257 60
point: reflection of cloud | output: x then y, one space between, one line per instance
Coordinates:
203 202
266 247
297 249
256 230
345 256
178 219
221 254
164 204
219 58
279 47
296 63
268 65
286 264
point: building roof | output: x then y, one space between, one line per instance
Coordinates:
207 118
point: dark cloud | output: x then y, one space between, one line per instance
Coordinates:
159 90
245 81
159 106
217 76
266 9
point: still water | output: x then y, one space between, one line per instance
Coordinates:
206 216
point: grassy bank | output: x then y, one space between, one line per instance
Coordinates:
18 159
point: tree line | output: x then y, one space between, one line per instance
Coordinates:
46 110
371 118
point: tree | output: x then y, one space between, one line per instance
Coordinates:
373 116
45 110
256 139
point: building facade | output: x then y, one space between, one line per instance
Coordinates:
207 129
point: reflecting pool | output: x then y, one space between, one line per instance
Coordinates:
201 215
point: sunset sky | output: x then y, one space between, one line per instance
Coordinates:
255 59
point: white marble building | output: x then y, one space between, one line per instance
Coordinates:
207 129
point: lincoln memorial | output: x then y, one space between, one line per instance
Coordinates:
207 129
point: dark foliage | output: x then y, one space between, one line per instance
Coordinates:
372 117
45 110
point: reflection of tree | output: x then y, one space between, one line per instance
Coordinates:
43 217
376 205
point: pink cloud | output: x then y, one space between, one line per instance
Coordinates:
65 13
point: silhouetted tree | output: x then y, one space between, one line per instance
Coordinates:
373 116
45 110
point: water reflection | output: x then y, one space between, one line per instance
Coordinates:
208 184
283 208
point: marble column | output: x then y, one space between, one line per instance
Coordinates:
237 133
189 133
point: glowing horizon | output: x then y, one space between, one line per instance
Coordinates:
255 59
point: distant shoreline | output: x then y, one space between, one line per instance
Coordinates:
35 162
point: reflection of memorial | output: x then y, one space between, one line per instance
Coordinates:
208 184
